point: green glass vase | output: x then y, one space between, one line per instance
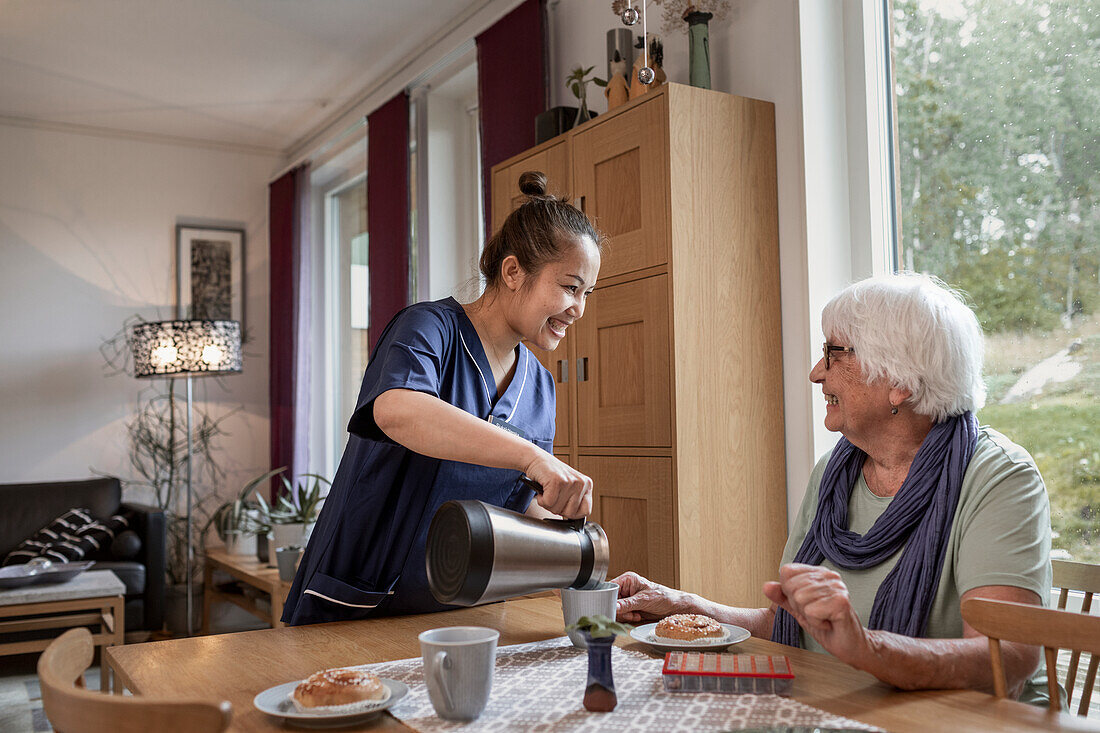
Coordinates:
699 48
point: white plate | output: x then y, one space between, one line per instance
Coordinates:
276 701
645 635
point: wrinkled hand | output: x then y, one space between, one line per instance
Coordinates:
819 601
565 491
643 600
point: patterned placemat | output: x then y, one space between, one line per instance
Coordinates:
539 687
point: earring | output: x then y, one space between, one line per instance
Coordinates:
893 409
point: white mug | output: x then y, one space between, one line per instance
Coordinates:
458 669
576 603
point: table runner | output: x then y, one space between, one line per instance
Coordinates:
539 687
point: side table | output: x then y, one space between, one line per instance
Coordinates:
250 571
93 598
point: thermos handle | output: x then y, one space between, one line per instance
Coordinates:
577 524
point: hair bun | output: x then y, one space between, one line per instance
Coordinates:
533 183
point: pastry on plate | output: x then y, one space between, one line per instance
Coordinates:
690 627
341 686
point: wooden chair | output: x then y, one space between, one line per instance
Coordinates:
73 709
1078 576
1047 627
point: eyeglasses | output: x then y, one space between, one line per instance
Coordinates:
828 349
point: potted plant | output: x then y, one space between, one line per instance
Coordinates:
241 520
599 634
295 511
578 82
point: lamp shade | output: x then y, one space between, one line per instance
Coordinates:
167 348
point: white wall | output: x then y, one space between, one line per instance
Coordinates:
87 239
754 53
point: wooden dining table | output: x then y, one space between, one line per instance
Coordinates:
237 666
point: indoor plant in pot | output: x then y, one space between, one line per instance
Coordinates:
295 510
599 634
578 82
241 520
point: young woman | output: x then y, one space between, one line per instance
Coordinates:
453 406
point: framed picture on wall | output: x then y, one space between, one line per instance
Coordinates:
210 266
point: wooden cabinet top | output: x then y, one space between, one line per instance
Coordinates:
676 92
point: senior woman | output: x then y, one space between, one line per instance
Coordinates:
914 510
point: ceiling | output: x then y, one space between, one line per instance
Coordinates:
256 73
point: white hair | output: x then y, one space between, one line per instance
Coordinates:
918 334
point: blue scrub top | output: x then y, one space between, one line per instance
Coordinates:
366 556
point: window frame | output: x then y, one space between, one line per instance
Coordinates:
344 167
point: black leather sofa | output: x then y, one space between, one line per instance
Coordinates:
26 508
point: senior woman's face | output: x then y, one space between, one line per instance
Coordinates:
853 407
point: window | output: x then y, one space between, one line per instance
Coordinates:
998 120
341 307
347 234
446 179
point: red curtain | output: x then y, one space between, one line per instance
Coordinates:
388 211
511 88
287 223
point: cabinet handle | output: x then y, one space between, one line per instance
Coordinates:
579 203
563 370
582 369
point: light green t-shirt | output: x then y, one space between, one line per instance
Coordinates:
1000 536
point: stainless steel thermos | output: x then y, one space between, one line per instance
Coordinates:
479 553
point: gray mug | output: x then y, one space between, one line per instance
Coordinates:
458 669
576 603
287 560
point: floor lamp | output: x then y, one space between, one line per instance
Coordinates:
186 349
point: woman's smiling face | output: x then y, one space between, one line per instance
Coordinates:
555 296
853 407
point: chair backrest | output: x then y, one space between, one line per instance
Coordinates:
1047 627
72 709
1078 576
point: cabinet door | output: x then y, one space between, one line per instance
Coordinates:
623 380
559 362
620 168
553 161
632 501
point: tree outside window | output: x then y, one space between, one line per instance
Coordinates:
998 106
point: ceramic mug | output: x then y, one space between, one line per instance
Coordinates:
458 669
576 603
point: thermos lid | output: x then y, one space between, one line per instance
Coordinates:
460 552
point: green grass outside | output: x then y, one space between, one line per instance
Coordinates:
1064 439
1060 428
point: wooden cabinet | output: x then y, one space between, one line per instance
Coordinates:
633 503
551 158
559 363
619 173
623 373
670 386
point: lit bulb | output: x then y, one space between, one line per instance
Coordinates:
630 16
164 355
646 75
212 354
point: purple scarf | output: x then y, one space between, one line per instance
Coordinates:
919 518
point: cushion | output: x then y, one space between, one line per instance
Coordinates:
126 545
72 537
